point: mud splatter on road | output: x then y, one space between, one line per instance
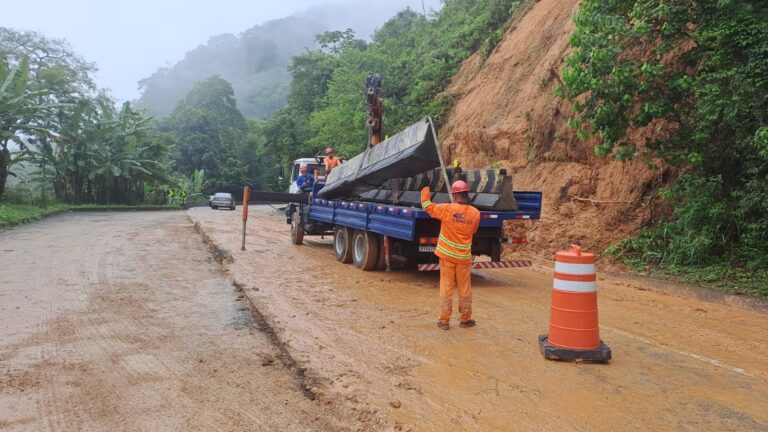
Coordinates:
123 321
369 342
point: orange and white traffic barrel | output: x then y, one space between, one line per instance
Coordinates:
574 332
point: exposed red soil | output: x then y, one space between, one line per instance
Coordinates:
506 115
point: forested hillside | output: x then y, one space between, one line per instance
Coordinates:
255 62
416 55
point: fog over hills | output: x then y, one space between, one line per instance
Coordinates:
255 61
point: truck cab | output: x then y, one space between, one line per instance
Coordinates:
312 167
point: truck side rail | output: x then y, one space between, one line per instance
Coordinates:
529 207
400 222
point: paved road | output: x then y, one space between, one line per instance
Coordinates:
122 322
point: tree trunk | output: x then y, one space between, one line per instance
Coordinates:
5 161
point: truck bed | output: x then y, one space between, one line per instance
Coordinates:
400 221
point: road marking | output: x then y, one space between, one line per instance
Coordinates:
701 358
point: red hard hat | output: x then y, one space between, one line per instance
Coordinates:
328 151
303 169
459 186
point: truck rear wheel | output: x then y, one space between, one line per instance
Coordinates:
342 245
297 232
365 250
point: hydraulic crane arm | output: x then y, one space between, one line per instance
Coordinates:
373 101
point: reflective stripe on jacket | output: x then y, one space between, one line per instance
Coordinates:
459 223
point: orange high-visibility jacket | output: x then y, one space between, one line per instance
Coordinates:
459 222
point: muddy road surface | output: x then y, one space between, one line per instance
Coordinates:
124 322
369 345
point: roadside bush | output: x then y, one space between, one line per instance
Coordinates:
692 74
19 193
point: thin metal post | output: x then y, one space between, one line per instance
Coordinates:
387 254
440 157
242 248
246 201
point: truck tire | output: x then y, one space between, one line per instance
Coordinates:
365 250
297 232
342 245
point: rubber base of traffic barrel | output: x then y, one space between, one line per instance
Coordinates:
551 352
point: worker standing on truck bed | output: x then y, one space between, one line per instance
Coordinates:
331 161
459 222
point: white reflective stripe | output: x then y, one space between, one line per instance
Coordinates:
573 286
574 269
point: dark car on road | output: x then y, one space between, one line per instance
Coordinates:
222 199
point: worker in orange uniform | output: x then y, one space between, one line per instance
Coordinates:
459 223
331 161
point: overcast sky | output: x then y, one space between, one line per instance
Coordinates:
129 40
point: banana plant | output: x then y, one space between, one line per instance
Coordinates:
20 115
190 188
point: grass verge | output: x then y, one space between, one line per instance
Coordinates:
17 214
723 276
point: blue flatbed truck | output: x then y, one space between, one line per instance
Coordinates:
370 234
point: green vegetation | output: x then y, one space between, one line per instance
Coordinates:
80 146
207 130
417 58
254 62
17 214
75 148
694 74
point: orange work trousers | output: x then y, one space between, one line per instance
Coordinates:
452 275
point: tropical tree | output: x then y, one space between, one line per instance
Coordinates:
210 134
20 115
48 79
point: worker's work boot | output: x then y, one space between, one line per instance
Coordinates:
442 325
468 323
